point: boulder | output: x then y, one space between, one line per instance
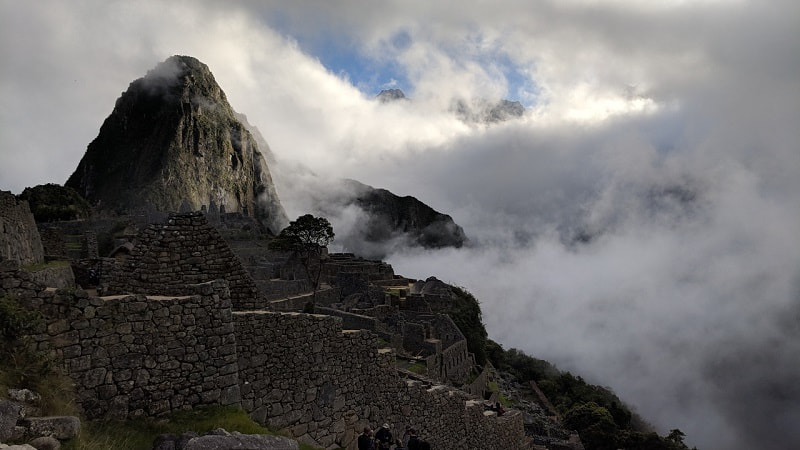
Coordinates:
59 427
10 413
46 443
241 441
221 439
24 396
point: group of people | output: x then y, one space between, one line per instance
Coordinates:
384 440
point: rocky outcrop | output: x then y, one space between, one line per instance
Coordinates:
19 422
174 139
390 95
484 111
390 215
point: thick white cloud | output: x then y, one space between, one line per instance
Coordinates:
637 226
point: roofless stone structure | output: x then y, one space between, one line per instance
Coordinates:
185 250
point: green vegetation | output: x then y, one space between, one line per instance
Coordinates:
493 387
418 368
306 237
599 416
139 434
51 202
307 233
466 313
46 265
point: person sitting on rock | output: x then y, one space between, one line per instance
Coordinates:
365 441
383 437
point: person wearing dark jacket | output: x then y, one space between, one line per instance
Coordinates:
365 441
383 438
413 442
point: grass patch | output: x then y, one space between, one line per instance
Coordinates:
139 434
500 396
418 368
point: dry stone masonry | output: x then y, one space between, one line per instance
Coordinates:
19 238
327 387
136 355
185 250
187 329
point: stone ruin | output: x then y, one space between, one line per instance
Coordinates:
182 332
20 243
183 251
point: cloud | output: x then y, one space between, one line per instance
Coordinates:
637 226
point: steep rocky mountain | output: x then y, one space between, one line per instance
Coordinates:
173 140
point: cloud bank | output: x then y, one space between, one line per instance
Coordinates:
638 226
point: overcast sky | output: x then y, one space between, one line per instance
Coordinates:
639 225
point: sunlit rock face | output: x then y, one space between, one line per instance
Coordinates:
173 141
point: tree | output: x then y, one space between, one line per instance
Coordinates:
51 202
594 424
305 238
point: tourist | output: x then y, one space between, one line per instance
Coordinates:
413 441
383 437
365 441
406 436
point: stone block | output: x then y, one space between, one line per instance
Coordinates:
57 327
46 443
9 414
236 440
59 427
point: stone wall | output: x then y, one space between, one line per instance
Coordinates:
53 242
414 339
54 275
305 374
348 262
136 355
456 363
451 362
350 321
480 384
185 250
19 237
323 297
139 355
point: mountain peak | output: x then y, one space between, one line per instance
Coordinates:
391 95
173 139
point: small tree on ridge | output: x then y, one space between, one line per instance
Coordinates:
306 237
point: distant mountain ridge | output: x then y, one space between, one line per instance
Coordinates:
391 214
470 111
173 139
174 143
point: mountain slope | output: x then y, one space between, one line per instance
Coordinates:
174 139
390 214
